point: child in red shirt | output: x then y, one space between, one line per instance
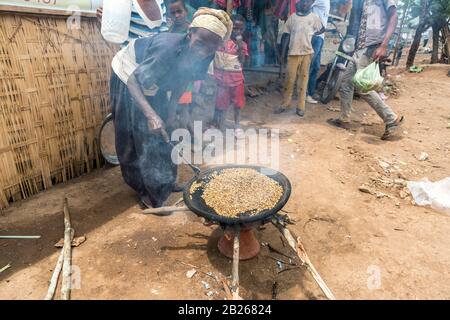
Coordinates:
229 75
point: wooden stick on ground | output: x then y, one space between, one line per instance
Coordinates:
235 271
5 268
67 254
20 237
305 259
226 288
301 252
165 211
55 276
178 202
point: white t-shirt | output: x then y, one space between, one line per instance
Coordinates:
322 9
301 30
124 62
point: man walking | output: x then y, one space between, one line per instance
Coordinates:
373 23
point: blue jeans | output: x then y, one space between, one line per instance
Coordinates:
317 44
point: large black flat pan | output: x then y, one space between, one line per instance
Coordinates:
197 205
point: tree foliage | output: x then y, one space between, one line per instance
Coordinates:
424 14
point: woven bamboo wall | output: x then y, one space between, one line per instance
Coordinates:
54 93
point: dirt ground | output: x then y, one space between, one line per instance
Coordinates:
374 245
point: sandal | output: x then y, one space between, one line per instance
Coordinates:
392 127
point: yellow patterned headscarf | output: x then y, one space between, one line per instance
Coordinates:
216 21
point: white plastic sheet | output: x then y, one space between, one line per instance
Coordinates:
434 194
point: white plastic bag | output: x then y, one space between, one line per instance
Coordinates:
434 194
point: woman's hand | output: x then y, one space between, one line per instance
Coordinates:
154 122
156 126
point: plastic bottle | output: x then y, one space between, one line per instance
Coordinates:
116 20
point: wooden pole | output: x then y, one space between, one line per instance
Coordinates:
20 237
55 276
235 271
305 259
67 254
165 211
298 247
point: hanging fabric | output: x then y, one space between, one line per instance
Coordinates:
284 8
223 3
292 7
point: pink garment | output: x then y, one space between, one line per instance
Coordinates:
223 3
285 8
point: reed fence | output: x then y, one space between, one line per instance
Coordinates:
54 93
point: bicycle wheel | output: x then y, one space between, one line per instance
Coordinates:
107 139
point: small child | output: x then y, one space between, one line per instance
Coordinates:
298 32
178 14
229 75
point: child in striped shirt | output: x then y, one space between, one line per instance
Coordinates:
148 17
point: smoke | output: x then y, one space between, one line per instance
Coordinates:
258 147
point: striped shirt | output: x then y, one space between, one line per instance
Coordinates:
141 26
